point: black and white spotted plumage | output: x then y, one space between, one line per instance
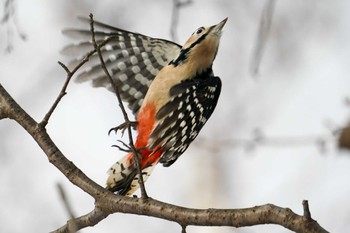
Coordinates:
132 59
171 90
191 104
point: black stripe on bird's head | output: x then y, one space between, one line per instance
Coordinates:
201 46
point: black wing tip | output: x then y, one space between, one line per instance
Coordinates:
167 162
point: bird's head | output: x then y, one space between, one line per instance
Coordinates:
201 48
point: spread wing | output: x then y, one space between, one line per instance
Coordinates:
180 120
132 59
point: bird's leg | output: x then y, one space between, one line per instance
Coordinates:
122 127
128 149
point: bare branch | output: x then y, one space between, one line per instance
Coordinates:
107 203
183 229
67 206
87 220
62 93
177 4
264 214
10 109
127 123
263 34
306 209
10 20
344 138
253 142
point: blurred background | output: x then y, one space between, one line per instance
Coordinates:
272 139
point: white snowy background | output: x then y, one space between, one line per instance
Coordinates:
297 99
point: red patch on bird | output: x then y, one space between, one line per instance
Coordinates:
146 121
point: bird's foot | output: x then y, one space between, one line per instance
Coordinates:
122 127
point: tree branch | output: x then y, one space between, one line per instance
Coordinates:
264 214
62 93
67 206
127 123
262 36
107 203
177 4
104 68
344 137
10 109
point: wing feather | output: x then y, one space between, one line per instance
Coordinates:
132 59
180 120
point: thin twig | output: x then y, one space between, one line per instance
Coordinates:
250 144
87 220
10 20
344 137
307 214
67 206
70 74
183 228
63 92
262 36
126 118
177 4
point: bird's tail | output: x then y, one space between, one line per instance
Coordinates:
123 177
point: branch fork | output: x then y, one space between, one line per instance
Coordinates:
107 203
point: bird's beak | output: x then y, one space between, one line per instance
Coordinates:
216 29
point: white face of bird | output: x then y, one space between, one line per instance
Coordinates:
211 31
203 44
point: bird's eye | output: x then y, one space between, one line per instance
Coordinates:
199 30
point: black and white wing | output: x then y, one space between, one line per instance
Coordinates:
179 121
132 59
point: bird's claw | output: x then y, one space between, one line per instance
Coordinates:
122 127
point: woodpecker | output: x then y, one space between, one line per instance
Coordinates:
170 89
